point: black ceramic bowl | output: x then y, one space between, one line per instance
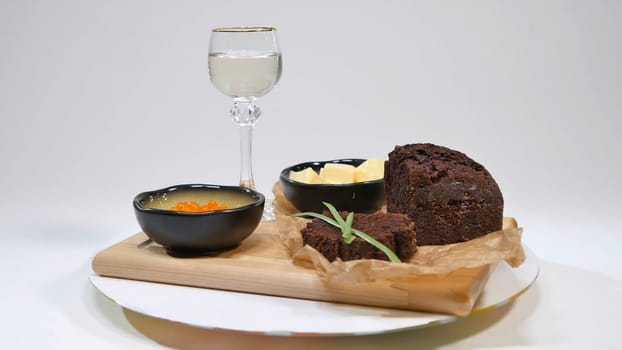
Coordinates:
190 233
360 197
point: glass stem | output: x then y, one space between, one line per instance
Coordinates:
246 146
245 113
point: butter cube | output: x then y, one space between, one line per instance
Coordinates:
307 175
369 170
334 173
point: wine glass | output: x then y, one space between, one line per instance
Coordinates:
245 63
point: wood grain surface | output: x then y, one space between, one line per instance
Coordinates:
261 265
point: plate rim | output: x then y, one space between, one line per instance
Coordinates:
440 319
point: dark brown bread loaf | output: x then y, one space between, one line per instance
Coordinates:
450 197
393 230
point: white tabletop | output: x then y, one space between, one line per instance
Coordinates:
102 100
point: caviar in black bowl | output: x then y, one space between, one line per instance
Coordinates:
185 233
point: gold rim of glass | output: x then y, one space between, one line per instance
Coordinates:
244 29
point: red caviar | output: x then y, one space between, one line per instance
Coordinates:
195 207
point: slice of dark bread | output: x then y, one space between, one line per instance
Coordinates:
393 230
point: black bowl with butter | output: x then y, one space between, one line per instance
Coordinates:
360 197
185 233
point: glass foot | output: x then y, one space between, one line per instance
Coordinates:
268 211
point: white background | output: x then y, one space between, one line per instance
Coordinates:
101 100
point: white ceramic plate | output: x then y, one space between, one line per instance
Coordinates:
215 309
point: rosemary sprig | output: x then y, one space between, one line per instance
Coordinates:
348 232
345 226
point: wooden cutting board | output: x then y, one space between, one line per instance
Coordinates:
261 265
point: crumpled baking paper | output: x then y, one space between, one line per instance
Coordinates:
503 245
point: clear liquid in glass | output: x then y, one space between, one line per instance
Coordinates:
245 75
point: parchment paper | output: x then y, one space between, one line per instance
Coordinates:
503 245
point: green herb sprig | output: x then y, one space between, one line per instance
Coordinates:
348 233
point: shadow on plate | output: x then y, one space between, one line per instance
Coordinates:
181 336
525 321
